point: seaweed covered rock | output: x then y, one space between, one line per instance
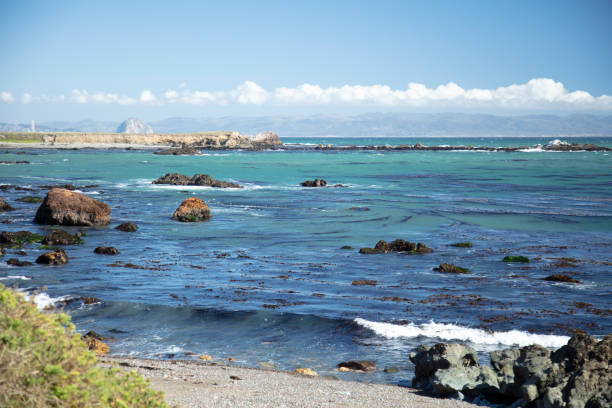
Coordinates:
4 206
192 209
561 278
450 268
65 207
57 257
314 183
103 250
127 227
61 237
399 245
19 238
177 179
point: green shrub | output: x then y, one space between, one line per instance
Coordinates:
43 363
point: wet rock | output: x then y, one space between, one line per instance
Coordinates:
561 278
364 282
127 227
17 262
441 356
180 151
462 244
57 257
4 206
307 371
192 209
197 180
450 268
31 199
352 365
20 237
516 258
206 180
314 183
94 343
61 237
70 187
90 300
64 207
347 247
103 250
399 245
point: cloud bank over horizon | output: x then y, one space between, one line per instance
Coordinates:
538 93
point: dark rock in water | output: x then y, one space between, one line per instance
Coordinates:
31 199
462 244
14 162
363 282
576 375
561 278
450 268
90 300
174 179
127 227
4 206
102 250
61 237
347 247
314 183
20 237
192 209
181 151
57 257
399 245
177 179
516 258
2 251
206 180
357 365
17 262
64 207
70 187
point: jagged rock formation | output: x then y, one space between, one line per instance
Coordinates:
134 126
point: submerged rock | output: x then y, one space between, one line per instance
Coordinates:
61 237
57 257
516 258
127 227
103 250
20 237
17 262
561 278
192 209
450 268
31 199
64 207
4 206
314 183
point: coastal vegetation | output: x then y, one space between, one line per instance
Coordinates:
44 363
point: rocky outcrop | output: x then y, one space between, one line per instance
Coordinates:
192 209
205 180
61 237
399 245
4 206
579 374
179 151
127 227
314 183
64 207
103 250
57 257
134 126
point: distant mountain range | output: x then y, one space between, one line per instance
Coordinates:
372 124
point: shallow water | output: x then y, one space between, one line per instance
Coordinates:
266 281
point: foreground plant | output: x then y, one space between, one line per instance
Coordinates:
43 363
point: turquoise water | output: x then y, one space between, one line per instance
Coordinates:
266 280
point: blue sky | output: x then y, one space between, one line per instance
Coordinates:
112 59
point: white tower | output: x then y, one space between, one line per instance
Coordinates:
33 126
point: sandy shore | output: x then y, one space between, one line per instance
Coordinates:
195 384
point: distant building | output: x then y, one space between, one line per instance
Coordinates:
33 126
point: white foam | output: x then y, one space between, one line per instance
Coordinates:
16 277
43 300
455 332
557 142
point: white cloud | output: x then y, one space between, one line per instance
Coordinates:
538 93
6 97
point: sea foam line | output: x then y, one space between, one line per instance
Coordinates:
455 332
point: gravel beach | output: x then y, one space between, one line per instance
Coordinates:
195 384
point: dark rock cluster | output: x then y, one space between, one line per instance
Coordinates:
399 245
177 179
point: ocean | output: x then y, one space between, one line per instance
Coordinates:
267 283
